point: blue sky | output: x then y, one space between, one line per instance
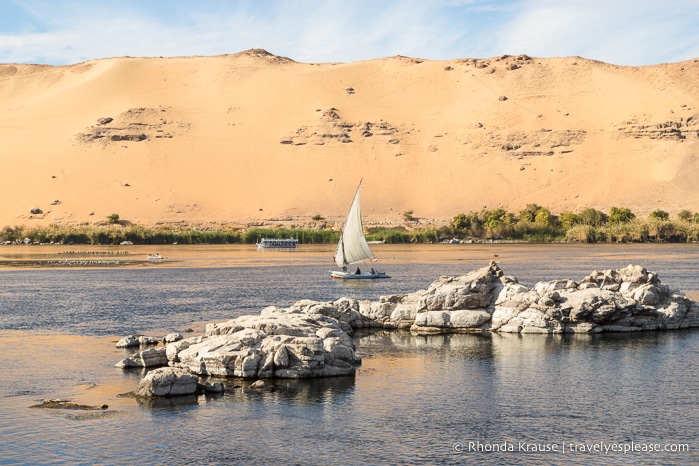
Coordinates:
622 32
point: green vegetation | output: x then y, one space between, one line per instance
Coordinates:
534 223
621 215
659 215
399 235
114 234
537 224
408 216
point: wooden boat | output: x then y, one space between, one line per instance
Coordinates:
353 248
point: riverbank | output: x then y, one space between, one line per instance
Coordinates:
484 227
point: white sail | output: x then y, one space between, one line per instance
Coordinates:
353 247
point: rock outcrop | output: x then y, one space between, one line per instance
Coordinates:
309 339
621 300
152 357
136 125
314 339
676 129
167 381
174 381
331 127
131 341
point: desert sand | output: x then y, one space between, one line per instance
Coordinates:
256 139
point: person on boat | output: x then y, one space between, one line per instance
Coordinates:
373 272
358 272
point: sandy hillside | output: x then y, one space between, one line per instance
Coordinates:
251 138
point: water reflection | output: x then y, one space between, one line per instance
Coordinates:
167 402
539 388
291 391
410 401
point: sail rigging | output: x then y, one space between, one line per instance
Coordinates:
352 247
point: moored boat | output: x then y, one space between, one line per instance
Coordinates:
277 243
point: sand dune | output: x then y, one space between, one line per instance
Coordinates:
254 138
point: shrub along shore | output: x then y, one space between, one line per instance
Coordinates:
533 224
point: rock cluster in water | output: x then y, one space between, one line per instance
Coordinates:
308 339
314 339
621 300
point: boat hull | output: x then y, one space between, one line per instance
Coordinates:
261 246
277 243
357 276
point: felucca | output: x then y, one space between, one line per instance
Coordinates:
353 248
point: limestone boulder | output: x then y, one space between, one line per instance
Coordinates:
173 349
470 291
172 337
131 341
454 304
302 341
375 313
456 321
397 311
167 381
152 357
625 299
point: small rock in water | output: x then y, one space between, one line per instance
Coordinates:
136 340
128 342
213 387
167 381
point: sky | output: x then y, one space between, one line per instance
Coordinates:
621 32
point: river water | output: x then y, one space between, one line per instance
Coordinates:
456 399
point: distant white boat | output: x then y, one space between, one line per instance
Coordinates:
154 257
353 248
277 243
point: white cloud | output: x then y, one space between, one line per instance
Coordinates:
67 32
623 31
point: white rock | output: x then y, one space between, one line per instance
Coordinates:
167 381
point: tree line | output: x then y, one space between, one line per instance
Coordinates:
534 223
537 223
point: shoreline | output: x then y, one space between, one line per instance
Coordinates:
496 226
303 253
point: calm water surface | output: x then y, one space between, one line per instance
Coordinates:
415 400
